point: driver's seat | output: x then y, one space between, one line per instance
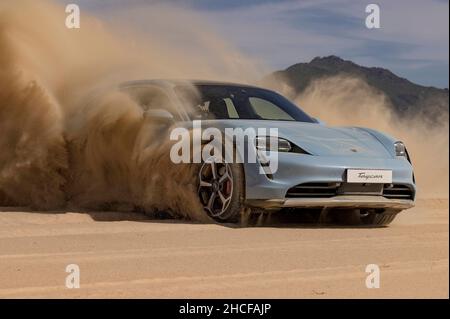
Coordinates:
219 109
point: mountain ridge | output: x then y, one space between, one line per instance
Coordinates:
406 97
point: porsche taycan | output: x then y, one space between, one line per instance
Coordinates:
319 167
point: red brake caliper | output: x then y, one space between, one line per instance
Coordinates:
228 187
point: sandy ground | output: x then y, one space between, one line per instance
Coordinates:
124 255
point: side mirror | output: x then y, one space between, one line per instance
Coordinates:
160 115
319 121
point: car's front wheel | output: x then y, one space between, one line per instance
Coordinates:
379 218
221 189
365 217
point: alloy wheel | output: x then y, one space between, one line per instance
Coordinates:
216 186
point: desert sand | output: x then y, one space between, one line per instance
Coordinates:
127 255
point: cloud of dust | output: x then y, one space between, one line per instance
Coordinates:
58 146
348 101
61 146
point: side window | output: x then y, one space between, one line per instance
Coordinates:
267 110
151 98
232 113
218 108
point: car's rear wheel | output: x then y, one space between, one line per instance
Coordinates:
221 189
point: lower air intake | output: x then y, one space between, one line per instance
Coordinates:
397 191
311 190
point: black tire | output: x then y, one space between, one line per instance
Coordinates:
232 212
361 217
382 218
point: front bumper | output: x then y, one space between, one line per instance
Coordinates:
341 201
296 169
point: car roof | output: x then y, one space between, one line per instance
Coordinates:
172 83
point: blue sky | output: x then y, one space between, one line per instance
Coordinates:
413 40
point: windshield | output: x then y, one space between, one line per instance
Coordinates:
236 102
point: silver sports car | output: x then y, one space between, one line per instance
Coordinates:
322 168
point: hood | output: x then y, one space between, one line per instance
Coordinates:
317 139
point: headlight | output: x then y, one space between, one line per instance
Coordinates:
400 149
269 143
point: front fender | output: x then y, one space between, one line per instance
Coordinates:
386 140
